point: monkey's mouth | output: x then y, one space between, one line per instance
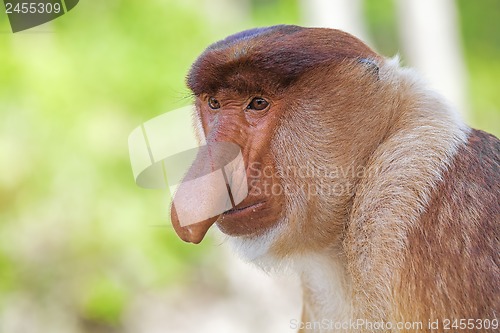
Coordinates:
249 208
248 218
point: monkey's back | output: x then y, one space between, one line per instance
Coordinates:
452 264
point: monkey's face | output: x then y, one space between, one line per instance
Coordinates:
253 90
248 120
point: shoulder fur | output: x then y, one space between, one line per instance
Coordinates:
405 168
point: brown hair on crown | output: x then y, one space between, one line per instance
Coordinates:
270 57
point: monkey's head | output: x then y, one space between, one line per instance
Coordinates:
303 106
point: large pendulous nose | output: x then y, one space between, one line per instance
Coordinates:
216 182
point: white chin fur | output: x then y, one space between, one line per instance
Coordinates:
255 249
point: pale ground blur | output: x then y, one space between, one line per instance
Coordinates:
250 301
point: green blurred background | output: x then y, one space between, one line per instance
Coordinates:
80 244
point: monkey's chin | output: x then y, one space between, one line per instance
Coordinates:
251 219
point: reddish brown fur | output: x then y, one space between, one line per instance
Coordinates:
271 61
449 271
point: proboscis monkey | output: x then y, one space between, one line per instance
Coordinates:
361 179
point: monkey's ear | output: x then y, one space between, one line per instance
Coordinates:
370 65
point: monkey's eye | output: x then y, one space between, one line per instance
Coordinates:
213 103
258 103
